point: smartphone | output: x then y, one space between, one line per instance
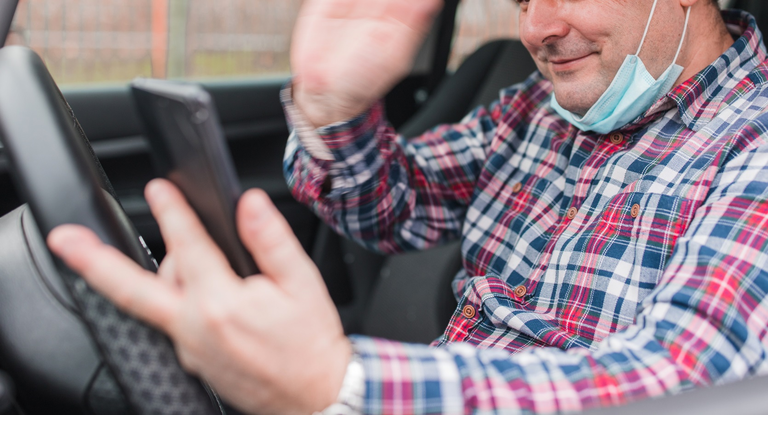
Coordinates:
189 148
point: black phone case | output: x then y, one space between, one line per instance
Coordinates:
189 148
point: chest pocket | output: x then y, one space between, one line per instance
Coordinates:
620 256
648 222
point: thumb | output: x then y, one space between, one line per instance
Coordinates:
268 237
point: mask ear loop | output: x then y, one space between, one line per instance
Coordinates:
647 26
685 30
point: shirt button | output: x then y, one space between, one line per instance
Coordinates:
469 312
572 212
636 210
517 188
617 138
521 291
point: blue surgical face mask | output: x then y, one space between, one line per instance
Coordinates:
631 93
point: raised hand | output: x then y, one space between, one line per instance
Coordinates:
271 343
347 54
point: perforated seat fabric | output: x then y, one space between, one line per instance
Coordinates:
44 345
410 298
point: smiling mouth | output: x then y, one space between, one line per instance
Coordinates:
569 61
568 65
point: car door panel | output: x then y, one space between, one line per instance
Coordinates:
254 125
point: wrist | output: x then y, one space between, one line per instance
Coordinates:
324 109
350 397
329 379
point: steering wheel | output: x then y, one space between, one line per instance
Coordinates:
130 365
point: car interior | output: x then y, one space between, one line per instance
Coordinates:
79 155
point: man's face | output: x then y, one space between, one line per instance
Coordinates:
579 45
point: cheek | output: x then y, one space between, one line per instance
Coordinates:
532 51
543 69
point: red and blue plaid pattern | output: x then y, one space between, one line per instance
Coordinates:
598 269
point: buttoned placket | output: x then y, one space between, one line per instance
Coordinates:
605 146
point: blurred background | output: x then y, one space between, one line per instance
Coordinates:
113 41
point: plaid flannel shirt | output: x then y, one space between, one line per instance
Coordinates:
598 269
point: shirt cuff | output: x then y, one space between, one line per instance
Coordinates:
350 399
403 378
306 133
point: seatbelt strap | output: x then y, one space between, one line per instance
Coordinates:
447 25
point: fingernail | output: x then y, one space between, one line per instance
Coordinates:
256 204
154 190
64 242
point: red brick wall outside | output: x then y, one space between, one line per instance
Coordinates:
102 41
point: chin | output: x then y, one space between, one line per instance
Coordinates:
574 99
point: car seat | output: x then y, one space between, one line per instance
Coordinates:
408 297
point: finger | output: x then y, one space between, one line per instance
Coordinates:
168 271
197 258
269 238
130 287
417 16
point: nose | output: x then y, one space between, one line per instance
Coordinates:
542 24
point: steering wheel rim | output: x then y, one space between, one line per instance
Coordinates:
57 173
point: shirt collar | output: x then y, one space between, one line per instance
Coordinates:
700 98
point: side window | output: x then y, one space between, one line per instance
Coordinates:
113 41
480 21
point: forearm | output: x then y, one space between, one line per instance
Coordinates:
647 360
387 193
463 379
355 188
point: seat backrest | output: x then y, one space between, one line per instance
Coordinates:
411 299
494 66
758 8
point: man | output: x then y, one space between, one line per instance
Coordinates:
612 210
